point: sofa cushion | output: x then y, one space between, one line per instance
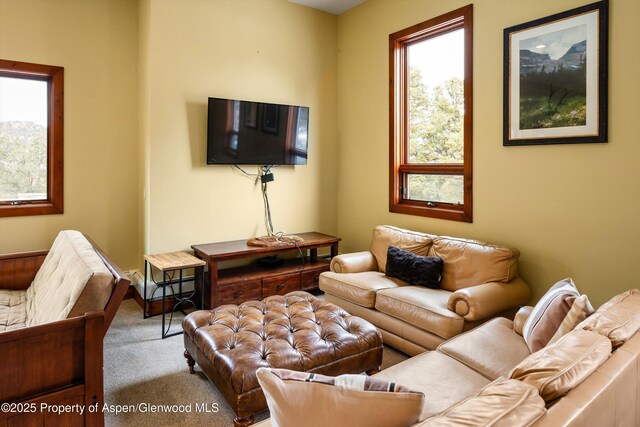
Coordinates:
13 309
549 313
443 380
503 403
561 366
303 399
358 288
618 319
421 307
470 263
492 349
72 280
385 236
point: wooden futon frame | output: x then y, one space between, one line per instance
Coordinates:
44 368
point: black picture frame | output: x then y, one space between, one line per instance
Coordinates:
574 111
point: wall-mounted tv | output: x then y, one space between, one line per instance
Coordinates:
256 133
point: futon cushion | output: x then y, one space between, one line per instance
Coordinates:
385 236
563 365
548 315
421 307
503 403
414 269
470 262
358 288
13 309
72 280
303 399
618 319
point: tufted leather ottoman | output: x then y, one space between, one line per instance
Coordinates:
293 331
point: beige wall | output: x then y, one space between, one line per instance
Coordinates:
572 210
263 50
96 43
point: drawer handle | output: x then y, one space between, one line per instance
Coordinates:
316 279
281 285
237 294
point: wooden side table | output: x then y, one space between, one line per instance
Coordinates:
169 264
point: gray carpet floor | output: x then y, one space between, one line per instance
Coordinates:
142 370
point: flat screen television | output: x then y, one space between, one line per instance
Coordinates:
256 133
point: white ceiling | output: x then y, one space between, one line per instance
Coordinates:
332 6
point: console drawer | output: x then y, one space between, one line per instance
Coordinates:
241 292
311 279
280 285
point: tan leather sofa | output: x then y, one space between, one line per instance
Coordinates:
586 384
479 281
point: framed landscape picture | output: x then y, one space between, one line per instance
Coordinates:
555 78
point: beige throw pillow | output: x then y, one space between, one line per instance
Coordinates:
558 312
302 399
563 365
579 311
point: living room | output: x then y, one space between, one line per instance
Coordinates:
138 75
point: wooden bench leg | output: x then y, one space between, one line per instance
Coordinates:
243 422
190 361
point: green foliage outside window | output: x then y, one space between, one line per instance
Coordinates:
23 161
436 135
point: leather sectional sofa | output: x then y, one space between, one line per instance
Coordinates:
487 376
479 282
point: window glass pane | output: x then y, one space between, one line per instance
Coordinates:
436 99
435 188
23 139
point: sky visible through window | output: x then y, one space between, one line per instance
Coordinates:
23 100
449 51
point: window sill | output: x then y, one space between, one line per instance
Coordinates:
33 208
448 212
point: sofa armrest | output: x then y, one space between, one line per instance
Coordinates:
489 299
355 262
521 316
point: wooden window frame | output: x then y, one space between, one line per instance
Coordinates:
54 76
399 165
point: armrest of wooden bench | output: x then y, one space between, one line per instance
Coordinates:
18 270
50 360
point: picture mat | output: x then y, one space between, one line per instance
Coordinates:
590 19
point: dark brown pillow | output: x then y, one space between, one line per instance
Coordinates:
414 269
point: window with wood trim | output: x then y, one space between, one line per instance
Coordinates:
431 117
31 138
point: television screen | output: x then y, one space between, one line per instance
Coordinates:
256 133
